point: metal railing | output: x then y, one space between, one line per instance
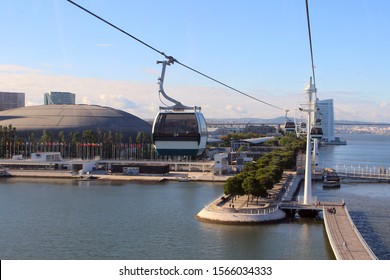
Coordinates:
379 172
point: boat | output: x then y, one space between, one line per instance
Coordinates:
336 141
183 179
4 173
87 178
331 179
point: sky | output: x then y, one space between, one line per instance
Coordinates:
259 47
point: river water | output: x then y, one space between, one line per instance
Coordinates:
62 219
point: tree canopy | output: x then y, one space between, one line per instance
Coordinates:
256 178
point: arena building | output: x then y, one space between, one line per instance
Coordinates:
73 118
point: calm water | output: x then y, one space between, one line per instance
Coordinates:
368 204
46 219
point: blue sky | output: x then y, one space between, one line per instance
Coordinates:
259 47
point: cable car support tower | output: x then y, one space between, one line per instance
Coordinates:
314 130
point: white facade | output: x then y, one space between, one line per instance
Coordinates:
49 156
327 119
220 163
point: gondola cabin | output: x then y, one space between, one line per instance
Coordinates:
179 133
289 126
316 132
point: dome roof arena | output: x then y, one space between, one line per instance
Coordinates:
73 118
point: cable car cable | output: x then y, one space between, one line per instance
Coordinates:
172 59
230 87
311 45
117 28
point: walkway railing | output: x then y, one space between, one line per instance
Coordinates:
258 211
364 171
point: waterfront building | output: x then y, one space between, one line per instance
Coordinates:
11 100
327 119
221 164
59 98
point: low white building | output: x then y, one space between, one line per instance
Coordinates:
221 163
47 156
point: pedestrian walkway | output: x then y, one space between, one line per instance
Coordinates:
345 239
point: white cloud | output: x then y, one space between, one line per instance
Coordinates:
383 104
141 99
117 101
86 100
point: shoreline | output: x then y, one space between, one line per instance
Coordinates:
248 210
172 176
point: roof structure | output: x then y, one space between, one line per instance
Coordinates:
257 140
72 118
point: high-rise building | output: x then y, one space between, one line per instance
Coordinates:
327 119
59 98
11 100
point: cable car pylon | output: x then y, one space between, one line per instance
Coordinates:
309 109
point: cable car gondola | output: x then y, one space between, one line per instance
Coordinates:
289 126
316 132
178 130
179 133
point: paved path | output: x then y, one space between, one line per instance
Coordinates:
346 241
171 176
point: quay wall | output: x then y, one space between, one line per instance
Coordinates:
235 217
63 174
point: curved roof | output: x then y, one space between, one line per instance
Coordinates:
258 140
73 118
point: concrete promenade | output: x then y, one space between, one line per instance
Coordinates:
221 210
344 238
171 176
247 209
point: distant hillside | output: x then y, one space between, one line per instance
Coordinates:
246 120
280 120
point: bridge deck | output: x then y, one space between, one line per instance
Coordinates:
346 241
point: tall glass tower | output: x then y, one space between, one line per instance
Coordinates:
11 100
59 98
327 119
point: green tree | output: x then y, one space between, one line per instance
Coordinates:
233 185
61 136
261 176
265 180
249 166
88 136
